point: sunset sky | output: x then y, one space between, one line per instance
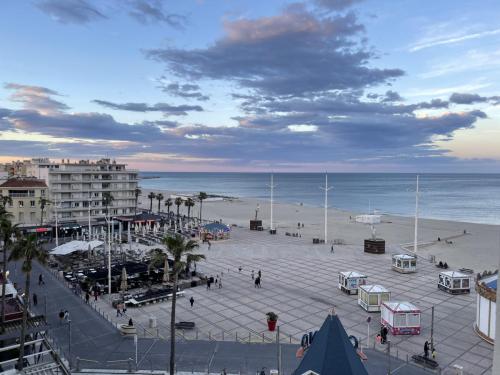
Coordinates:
228 85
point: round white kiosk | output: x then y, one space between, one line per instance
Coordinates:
485 324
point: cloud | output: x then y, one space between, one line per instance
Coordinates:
336 5
71 11
451 39
466 98
187 91
87 11
152 11
293 53
167 109
35 97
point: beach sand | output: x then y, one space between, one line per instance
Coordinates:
479 249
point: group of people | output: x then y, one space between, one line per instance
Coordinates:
218 282
63 316
430 347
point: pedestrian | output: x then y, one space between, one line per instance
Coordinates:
426 349
208 284
40 280
433 353
263 371
220 283
118 312
256 282
191 301
209 245
253 276
130 322
260 274
383 333
239 269
66 315
331 249
35 299
87 297
216 280
223 372
61 316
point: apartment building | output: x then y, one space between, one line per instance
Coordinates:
76 189
26 194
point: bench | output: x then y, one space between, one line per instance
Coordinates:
425 361
185 325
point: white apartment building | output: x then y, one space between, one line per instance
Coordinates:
76 188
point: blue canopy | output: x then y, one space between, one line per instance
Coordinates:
216 227
331 352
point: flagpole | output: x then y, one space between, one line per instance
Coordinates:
326 189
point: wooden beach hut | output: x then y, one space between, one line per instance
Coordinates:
401 318
349 281
485 323
454 282
404 263
370 297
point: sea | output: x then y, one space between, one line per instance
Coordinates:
471 198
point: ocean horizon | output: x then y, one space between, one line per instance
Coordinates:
465 197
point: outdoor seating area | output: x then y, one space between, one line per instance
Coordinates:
454 282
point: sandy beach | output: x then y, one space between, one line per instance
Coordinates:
479 249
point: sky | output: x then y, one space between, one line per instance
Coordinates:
264 85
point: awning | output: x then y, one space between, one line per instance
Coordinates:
73 246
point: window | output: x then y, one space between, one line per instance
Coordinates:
32 203
21 217
21 203
385 297
413 320
399 320
465 283
456 284
33 217
43 192
373 299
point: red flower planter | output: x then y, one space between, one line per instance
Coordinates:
271 325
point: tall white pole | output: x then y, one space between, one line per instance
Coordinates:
90 227
326 188
272 186
415 240
109 254
57 227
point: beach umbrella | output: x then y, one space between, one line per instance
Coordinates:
166 270
123 284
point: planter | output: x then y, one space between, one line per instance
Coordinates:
271 325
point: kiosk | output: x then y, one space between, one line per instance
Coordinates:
404 263
454 282
401 318
486 308
349 281
371 296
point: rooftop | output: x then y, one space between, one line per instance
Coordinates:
24 183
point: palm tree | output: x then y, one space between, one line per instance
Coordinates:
6 232
178 203
26 250
168 204
4 199
151 196
43 202
178 247
189 203
137 192
159 197
201 197
107 200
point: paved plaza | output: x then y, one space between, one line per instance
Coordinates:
299 283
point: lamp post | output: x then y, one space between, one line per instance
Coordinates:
415 240
69 342
57 227
272 186
326 189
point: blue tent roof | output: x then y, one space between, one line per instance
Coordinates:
331 352
216 227
492 284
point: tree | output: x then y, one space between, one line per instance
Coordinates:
107 200
168 204
137 193
151 196
201 197
159 197
178 203
26 250
4 199
189 203
7 230
43 202
178 248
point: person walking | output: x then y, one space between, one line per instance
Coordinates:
66 315
40 280
87 297
260 274
118 311
253 275
61 316
256 282
426 349
239 269
331 249
35 299
220 283
191 301
208 284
